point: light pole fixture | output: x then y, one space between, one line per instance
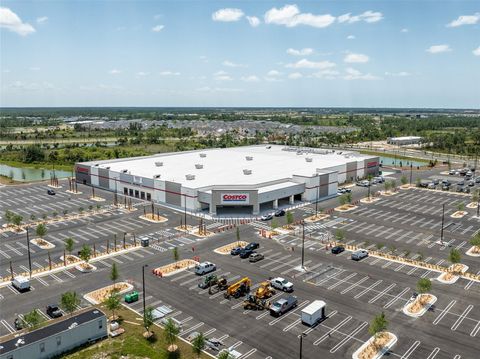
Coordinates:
29 258
301 336
303 244
143 286
443 220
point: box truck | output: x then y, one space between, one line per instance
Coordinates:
22 284
313 313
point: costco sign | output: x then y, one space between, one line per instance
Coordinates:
234 198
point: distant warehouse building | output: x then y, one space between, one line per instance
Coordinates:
59 337
403 141
240 180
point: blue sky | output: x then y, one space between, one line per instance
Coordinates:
240 53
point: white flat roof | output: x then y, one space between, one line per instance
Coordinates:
226 166
405 138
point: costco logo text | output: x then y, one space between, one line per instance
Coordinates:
234 197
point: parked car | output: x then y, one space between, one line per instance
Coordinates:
236 251
363 183
459 189
436 181
477 179
471 183
431 186
266 217
51 192
379 179
282 284
423 185
18 324
338 249
53 311
283 305
445 188
451 172
252 246
245 253
205 267
360 254
466 190
461 183
255 257
279 213
446 182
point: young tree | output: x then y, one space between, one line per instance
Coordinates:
424 285
369 178
148 319
33 217
475 241
80 210
342 200
65 212
224 355
69 243
418 181
386 186
198 344
404 180
339 235
290 219
33 319
274 224
112 302
237 233
54 214
44 216
41 230
348 197
379 324
454 256
461 206
170 332
85 253
176 255
393 184
17 220
114 274
8 216
69 302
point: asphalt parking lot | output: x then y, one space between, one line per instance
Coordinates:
408 223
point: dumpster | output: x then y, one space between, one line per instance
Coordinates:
145 242
131 297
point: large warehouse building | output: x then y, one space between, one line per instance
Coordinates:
239 180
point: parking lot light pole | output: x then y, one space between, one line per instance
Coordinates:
411 172
303 243
443 220
301 344
29 258
143 286
318 195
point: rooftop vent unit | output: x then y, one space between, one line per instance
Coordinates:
198 166
247 172
203 155
190 177
157 176
159 164
249 158
308 159
124 171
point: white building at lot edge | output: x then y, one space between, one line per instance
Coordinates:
240 180
403 141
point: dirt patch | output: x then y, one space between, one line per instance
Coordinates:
227 248
369 200
153 218
42 243
176 267
316 218
346 208
187 228
474 251
97 199
472 205
419 303
98 296
458 214
373 349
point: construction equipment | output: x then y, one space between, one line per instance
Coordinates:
218 285
239 288
208 281
265 290
254 303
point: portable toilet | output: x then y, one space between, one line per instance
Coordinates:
131 297
313 313
145 242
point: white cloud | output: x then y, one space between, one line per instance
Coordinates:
218 89
398 74
328 74
158 28
465 20
295 76
273 73
42 20
302 52
356 58
251 78
306 64
253 21
228 63
169 73
31 86
222 76
141 73
437 49
368 16
114 72
353 74
351 37
404 30
476 52
290 16
227 15
10 21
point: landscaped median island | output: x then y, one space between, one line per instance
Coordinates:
453 273
346 207
227 248
376 346
173 268
42 243
368 200
316 217
99 296
419 305
150 217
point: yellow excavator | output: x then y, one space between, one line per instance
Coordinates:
239 288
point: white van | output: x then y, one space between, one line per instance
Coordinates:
22 284
205 267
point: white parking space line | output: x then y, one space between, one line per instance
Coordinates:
379 295
444 312
333 330
7 326
342 281
410 350
368 289
475 330
275 321
397 297
461 317
434 353
470 283
13 249
354 285
348 337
